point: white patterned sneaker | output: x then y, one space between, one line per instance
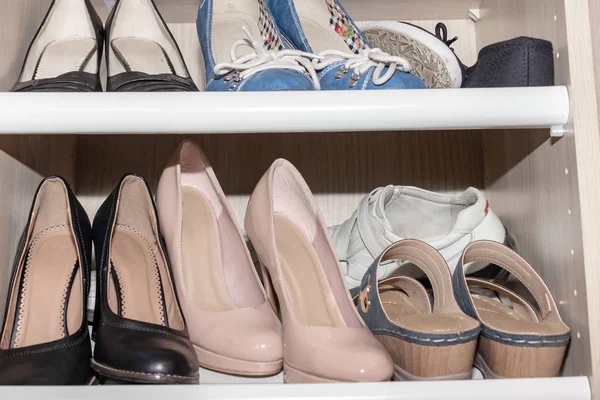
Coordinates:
392 213
430 55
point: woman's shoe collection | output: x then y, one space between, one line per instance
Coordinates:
164 307
176 285
255 45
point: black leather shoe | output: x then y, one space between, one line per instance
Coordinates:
44 338
141 53
139 329
66 51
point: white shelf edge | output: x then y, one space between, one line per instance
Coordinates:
576 388
40 113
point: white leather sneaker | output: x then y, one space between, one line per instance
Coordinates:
392 213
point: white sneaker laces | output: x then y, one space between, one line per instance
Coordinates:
361 63
260 60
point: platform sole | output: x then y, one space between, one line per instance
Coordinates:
111 373
232 366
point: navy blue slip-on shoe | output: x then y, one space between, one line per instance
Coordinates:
518 339
518 62
426 343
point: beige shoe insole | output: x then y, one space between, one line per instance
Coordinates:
201 254
398 304
414 311
513 319
66 55
45 313
141 293
304 278
142 55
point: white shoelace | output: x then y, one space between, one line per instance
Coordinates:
361 63
260 60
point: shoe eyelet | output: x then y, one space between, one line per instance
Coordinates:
340 74
228 78
354 78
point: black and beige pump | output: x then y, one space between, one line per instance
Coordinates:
139 329
65 54
141 53
44 338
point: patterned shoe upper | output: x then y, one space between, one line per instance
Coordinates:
345 60
244 50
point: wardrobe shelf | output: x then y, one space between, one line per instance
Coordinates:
30 113
576 388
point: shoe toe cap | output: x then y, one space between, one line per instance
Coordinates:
146 352
170 358
346 355
250 334
369 362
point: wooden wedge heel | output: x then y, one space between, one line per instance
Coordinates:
425 343
518 339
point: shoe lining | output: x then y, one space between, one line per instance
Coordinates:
141 292
311 298
228 19
143 41
136 54
50 265
293 200
315 17
208 222
145 291
201 254
65 43
46 299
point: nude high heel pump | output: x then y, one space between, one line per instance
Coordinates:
323 336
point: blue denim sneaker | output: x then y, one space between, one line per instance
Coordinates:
244 50
346 60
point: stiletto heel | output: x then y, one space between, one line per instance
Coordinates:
232 325
324 339
268 286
